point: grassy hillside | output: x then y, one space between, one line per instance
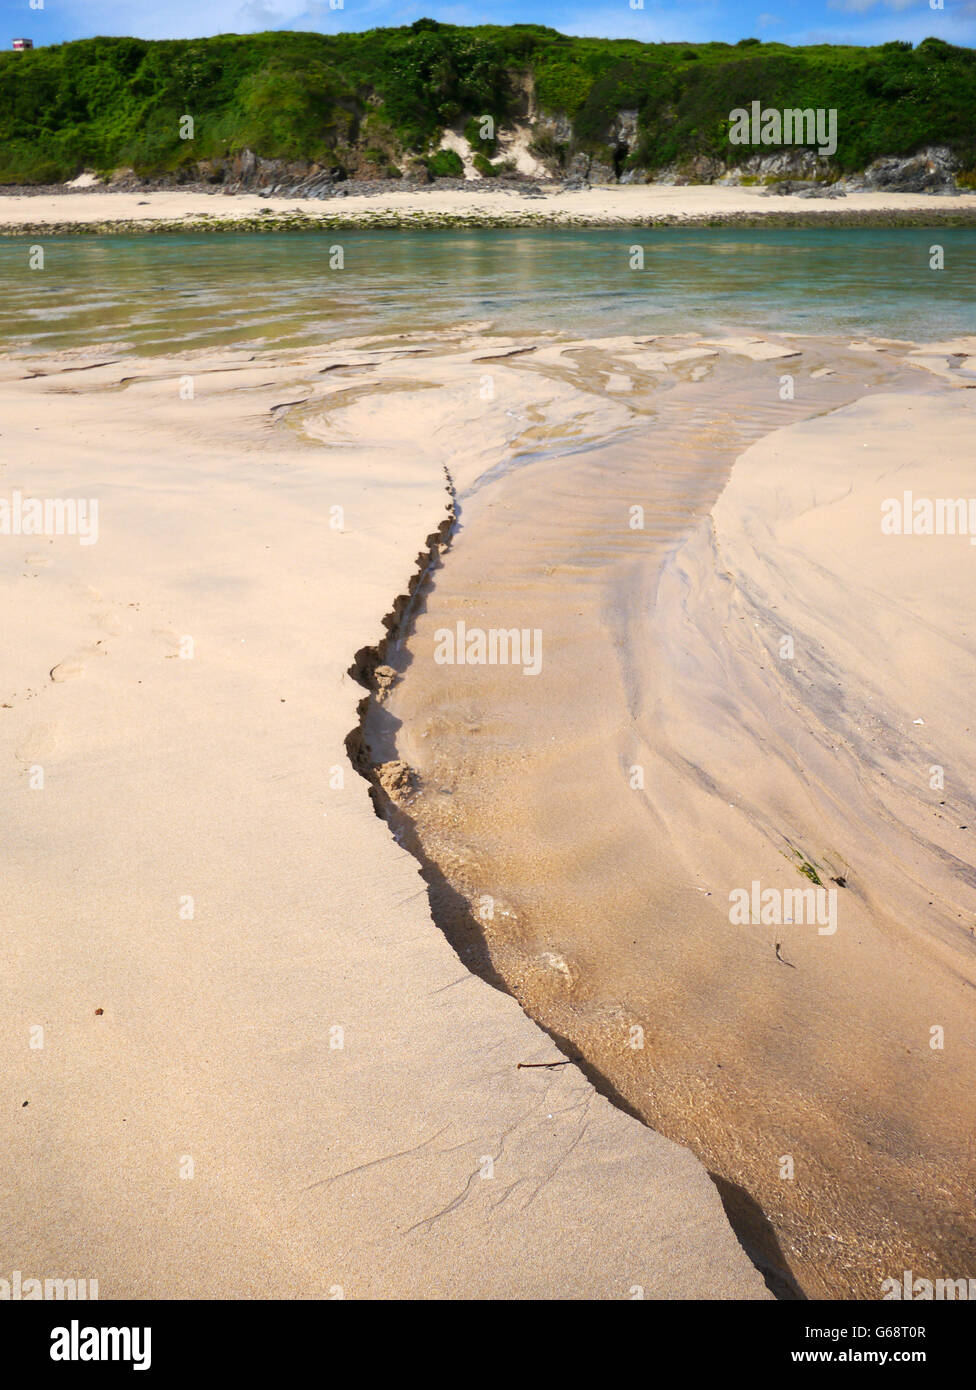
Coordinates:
104 103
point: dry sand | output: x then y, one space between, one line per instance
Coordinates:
611 205
182 1120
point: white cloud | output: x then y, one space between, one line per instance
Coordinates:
258 15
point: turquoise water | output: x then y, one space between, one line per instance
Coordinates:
165 293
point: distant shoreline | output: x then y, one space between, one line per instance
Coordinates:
105 212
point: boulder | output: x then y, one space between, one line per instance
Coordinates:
929 171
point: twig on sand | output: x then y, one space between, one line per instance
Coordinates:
564 1063
782 958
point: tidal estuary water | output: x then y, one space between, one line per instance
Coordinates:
164 293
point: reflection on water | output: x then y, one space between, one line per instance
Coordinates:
167 293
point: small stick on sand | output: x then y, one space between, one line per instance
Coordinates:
780 957
564 1063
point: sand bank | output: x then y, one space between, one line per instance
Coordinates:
241 1059
642 205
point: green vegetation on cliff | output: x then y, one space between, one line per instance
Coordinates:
106 103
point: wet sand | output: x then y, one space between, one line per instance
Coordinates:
583 827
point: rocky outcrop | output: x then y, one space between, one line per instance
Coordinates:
800 171
248 172
557 126
796 164
623 130
600 172
804 188
809 175
930 171
700 169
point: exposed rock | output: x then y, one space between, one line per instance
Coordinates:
244 165
667 175
558 126
601 173
247 172
701 169
797 170
211 170
930 171
804 188
623 130
824 190
124 178
418 171
781 186
802 164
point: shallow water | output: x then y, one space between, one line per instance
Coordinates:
167 293
597 904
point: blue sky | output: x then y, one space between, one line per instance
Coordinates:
789 21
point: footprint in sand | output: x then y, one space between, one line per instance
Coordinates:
175 640
109 622
68 669
39 745
73 666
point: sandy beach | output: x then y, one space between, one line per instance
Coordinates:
634 205
243 1061
299 1049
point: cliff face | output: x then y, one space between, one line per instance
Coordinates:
438 101
932 171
